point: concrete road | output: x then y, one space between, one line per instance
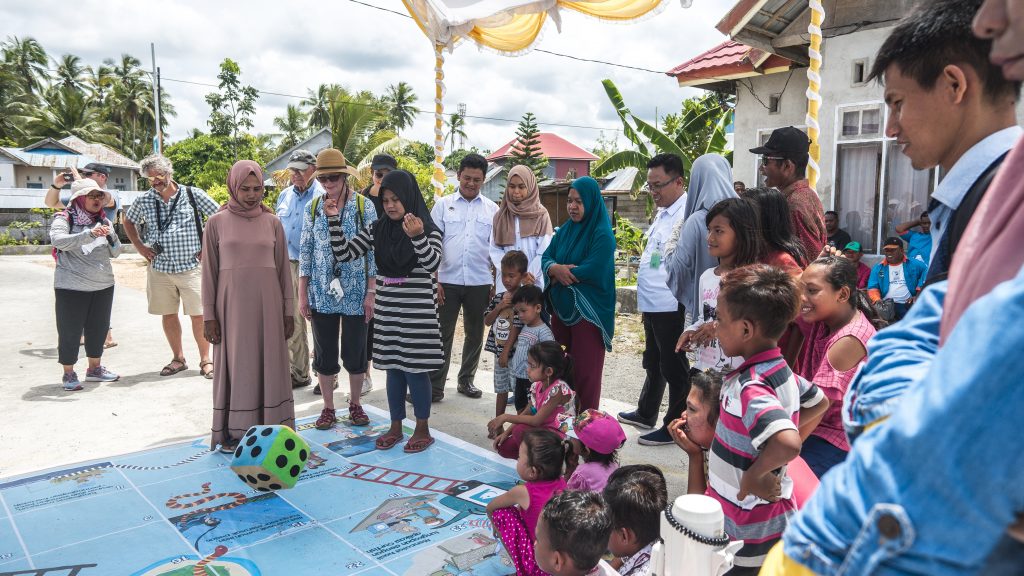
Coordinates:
42 426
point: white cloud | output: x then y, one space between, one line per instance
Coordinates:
289 48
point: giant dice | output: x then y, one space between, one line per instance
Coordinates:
270 457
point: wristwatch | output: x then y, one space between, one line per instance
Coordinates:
54 186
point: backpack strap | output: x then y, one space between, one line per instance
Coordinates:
195 214
313 206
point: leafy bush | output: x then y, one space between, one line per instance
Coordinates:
629 239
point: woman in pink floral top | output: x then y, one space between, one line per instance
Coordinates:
552 399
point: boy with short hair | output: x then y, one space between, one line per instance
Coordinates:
757 432
636 495
528 302
572 535
505 325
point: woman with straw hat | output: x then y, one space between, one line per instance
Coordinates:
84 242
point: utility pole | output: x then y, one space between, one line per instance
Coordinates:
158 137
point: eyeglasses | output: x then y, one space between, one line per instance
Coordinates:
86 173
325 178
766 159
95 195
655 186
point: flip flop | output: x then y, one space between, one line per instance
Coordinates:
418 445
387 441
110 344
171 370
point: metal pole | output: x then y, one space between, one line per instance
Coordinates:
157 140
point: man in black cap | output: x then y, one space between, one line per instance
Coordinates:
292 206
784 166
381 165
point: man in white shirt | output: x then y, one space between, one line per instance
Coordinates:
464 279
662 314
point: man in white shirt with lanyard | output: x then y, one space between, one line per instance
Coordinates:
662 313
464 279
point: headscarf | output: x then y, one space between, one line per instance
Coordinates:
392 247
710 183
78 215
239 172
989 252
590 245
533 217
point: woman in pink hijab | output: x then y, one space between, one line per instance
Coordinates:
248 305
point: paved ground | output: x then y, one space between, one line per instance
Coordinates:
42 426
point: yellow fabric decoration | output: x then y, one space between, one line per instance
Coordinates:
778 564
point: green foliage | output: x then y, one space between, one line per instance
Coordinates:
400 106
232 108
526 149
423 173
455 158
23 225
456 129
628 280
629 239
605 146
699 129
420 151
293 127
44 212
204 160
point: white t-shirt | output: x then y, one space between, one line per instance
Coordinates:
711 356
897 285
603 569
652 291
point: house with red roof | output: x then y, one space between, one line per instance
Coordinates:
565 159
863 175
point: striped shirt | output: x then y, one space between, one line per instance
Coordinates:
759 399
406 333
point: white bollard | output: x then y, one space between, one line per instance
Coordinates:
693 540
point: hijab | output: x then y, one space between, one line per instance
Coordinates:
239 172
710 183
989 252
79 215
392 247
590 243
533 217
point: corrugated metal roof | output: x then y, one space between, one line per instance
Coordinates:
621 180
101 152
48 160
728 60
28 198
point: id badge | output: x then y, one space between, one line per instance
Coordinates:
656 259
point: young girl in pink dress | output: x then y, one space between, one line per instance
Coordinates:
551 399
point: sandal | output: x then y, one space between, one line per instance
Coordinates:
170 369
387 441
418 445
110 344
207 374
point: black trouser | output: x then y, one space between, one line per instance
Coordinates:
326 343
663 364
81 312
472 301
522 394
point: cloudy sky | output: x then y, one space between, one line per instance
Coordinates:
289 47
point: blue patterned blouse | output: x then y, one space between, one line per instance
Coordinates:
316 260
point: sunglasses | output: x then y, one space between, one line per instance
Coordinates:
324 178
86 173
766 159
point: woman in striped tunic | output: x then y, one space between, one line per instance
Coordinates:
406 337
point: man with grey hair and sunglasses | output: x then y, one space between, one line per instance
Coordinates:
173 217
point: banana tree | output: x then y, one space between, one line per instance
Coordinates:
701 130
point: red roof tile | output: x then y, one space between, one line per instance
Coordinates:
730 59
552 146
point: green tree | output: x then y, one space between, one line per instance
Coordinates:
13 104
232 108
605 146
66 111
204 160
318 105
400 101
456 129
71 73
128 101
28 60
354 121
455 158
293 127
697 126
526 149
649 141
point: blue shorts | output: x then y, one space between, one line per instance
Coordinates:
504 382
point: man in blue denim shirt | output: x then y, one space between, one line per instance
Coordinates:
292 204
933 480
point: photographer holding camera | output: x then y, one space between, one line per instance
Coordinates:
174 217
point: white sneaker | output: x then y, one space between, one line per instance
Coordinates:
367 385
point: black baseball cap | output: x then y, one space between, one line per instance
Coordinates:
382 161
893 241
97 167
301 160
789 142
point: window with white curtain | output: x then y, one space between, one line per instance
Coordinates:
858 180
907 191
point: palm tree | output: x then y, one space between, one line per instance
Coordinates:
71 73
99 83
292 126
401 110
319 103
68 112
456 129
12 106
28 60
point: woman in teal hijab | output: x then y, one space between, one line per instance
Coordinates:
579 270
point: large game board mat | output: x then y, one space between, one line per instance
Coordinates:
179 510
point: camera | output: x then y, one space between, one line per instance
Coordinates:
68 177
157 248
